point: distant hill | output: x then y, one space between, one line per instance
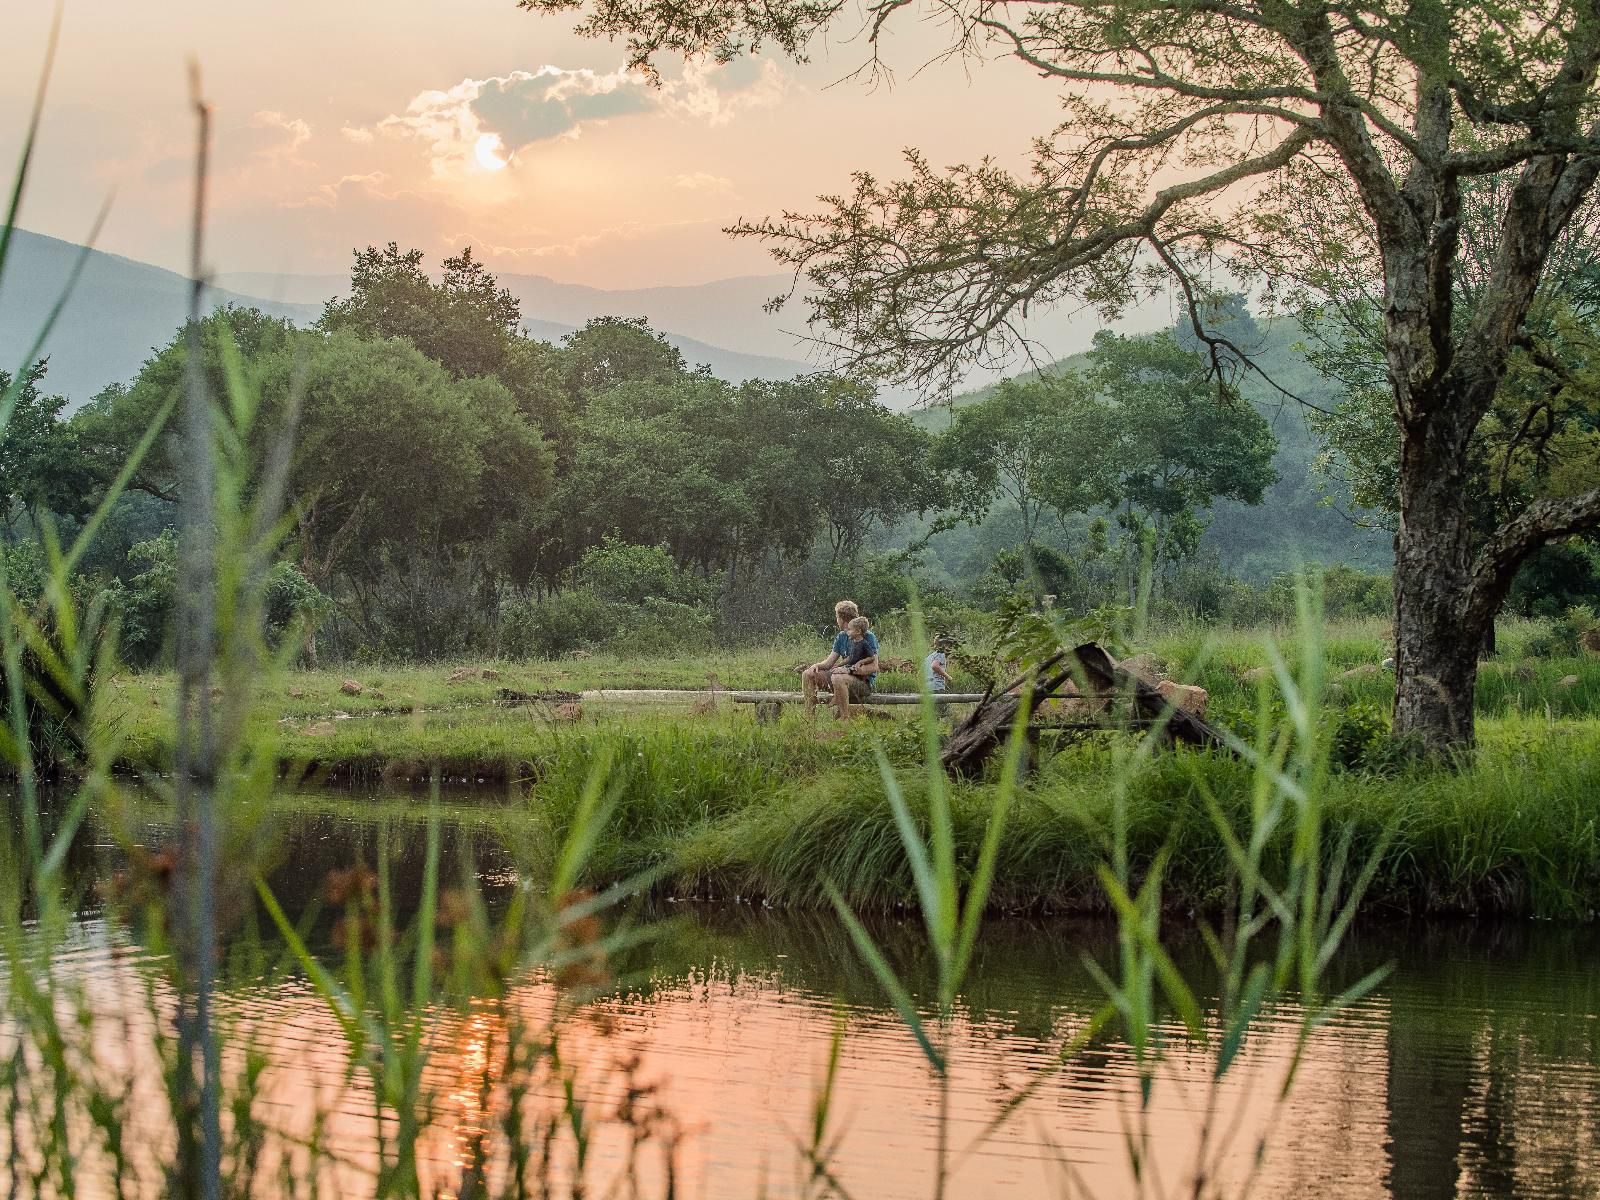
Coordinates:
725 312
121 310
1294 523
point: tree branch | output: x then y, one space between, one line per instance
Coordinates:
1542 522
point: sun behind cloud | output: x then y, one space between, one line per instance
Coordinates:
490 152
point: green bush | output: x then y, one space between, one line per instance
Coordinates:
1562 638
580 618
628 574
24 571
575 619
660 627
1363 739
144 604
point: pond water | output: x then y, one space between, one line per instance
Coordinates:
1473 1071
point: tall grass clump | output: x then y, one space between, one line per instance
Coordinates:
1285 915
80 1113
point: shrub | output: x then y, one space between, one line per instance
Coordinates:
578 618
1562 638
145 602
1363 739
24 571
628 574
662 627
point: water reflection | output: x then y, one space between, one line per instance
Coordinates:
1472 1072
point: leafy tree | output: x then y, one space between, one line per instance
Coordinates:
1172 449
609 351
651 467
467 322
1539 437
630 574
41 467
392 454
875 462
146 602
115 420
1042 444
1235 132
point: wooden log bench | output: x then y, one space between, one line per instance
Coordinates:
769 704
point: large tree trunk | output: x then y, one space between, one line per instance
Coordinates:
1436 654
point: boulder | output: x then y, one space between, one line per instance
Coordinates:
1567 681
320 729
567 712
1146 666
1070 702
297 693
1254 675
1186 696
351 688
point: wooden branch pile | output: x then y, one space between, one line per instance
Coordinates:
1097 678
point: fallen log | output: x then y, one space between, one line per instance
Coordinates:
986 728
689 696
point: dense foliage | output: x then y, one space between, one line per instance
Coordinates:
456 486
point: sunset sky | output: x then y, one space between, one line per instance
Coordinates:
344 122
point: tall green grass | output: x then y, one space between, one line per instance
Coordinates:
79 1116
1275 849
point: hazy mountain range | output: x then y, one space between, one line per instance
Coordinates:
120 310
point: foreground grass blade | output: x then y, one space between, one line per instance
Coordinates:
898 996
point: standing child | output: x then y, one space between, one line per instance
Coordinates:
936 667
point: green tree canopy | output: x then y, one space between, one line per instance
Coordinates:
1041 444
466 322
1291 143
391 453
41 465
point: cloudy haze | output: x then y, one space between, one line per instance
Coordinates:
344 122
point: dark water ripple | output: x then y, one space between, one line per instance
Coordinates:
1472 1072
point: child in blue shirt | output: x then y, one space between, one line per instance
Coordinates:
936 667
856 643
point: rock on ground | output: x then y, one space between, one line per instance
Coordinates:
1186 696
1147 666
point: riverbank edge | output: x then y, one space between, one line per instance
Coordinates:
723 808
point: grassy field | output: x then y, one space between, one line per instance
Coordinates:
731 807
406 719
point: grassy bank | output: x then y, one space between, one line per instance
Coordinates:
731 808
774 813
1517 833
407 720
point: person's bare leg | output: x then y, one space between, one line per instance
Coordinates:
841 695
808 686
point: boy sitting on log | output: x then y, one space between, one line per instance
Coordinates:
848 678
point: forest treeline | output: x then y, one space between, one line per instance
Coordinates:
459 487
